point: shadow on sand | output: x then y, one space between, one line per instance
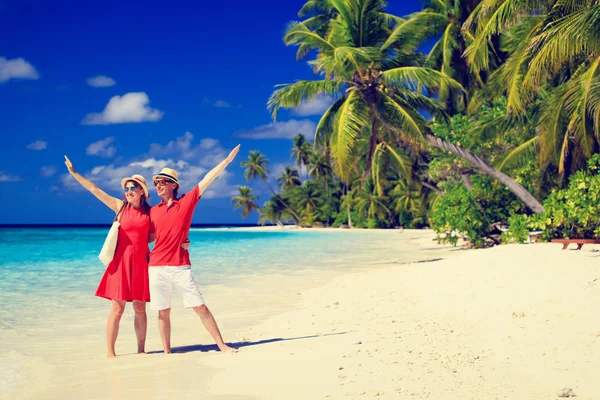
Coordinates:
238 345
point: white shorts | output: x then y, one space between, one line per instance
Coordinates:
162 280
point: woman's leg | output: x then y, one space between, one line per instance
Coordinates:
140 324
112 326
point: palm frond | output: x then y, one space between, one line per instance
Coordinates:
416 77
400 119
573 35
378 167
325 125
520 154
293 94
350 118
578 106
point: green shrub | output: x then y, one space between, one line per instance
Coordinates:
518 229
573 212
456 214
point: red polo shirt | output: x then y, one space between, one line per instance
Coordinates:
171 226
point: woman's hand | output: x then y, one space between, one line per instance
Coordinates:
186 245
69 165
233 153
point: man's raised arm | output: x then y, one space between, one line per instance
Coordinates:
216 171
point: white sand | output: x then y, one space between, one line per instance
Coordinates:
515 322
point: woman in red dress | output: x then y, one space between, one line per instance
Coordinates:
126 277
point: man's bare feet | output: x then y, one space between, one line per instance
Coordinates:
111 355
167 351
226 349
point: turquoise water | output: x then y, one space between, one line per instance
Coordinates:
45 270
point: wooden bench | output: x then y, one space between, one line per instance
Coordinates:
579 242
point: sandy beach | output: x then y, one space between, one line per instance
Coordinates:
514 322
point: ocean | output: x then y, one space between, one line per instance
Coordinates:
48 276
49 270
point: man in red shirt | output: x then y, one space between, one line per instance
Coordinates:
169 263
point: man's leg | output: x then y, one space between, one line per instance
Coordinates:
160 295
140 323
192 298
112 325
164 327
211 326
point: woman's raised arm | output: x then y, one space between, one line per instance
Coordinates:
111 202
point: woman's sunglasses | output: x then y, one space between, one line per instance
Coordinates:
162 182
129 189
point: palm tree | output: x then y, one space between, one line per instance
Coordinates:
406 197
370 203
274 212
321 168
307 197
554 59
348 202
373 77
288 178
301 152
245 201
256 168
443 19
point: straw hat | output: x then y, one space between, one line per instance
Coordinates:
140 180
167 173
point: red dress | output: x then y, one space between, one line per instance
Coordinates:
126 277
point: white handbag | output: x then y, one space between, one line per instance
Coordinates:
110 243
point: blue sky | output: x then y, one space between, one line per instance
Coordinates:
130 86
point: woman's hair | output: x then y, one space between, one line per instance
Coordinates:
176 192
143 201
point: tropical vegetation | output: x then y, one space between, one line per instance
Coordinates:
464 117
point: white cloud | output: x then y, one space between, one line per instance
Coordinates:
102 148
6 177
208 150
222 104
192 162
129 108
280 130
101 81
17 68
37 145
48 170
316 106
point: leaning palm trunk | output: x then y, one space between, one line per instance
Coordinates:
283 203
487 169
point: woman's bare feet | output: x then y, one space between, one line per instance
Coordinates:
111 355
226 349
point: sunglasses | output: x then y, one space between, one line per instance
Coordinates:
162 182
129 189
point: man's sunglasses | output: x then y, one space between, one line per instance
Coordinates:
129 189
162 182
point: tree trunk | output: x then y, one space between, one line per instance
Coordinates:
348 210
349 216
372 145
467 181
487 169
433 187
300 173
296 217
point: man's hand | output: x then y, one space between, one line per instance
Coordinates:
69 165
